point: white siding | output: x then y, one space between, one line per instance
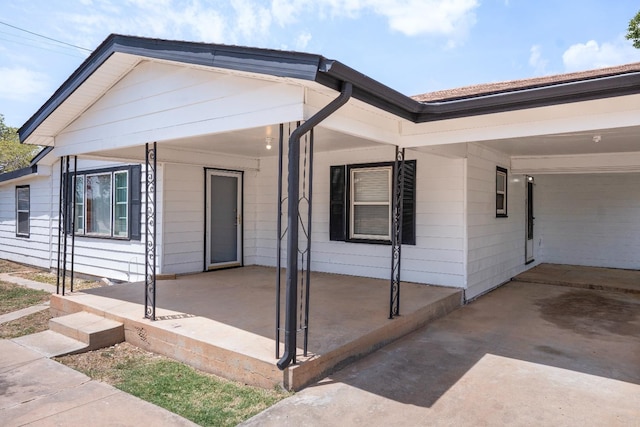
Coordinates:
33 250
184 219
495 245
591 220
157 102
438 256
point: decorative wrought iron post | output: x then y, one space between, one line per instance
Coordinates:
60 222
309 199
65 223
396 232
279 243
74 190
150 234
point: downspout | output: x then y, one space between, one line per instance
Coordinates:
292 220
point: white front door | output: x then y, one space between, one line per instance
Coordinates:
223 193
529 255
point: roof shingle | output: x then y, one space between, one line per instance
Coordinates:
523 84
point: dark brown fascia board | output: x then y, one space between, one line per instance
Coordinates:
332 74
18 173
376 94
543 96
253 60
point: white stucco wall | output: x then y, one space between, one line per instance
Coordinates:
589 219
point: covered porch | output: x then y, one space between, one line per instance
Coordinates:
222 321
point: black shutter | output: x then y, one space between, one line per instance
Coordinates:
337 214
409 204
135 193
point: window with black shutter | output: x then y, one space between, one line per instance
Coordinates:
361 203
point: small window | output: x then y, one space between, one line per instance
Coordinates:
501 192
23 208
371 203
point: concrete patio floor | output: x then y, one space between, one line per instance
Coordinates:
224 321
525 354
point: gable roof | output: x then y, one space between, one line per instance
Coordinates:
483 99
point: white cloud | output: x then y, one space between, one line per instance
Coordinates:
303 40
537 61
20 82
590 55
450 18
252 21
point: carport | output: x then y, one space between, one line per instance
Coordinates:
528 353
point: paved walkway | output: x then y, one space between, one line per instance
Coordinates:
37 391
524 355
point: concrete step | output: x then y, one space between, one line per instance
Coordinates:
93 330
51 344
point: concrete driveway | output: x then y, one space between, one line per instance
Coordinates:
526 354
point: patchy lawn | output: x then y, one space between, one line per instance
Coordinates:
10 267
14 297
200 397
36 322
51 278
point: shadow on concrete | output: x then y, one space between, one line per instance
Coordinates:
585 331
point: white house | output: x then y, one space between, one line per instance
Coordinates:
481 162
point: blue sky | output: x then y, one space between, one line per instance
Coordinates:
413 46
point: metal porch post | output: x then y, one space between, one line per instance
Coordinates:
396 233
150 233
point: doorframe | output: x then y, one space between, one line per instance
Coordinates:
529 257
206 238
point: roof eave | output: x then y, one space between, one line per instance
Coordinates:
19 173
252 60
543 96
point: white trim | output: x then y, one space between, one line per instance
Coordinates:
239 255
353 203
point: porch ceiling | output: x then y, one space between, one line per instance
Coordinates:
248 143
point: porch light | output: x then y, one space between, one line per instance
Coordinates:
529 178
597 138
268 140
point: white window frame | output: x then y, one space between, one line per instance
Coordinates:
20 233
114 204
501 174
86 180
81 202
353 203
81 205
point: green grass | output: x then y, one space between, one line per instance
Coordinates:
201 398
14 297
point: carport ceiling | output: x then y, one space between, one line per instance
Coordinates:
618 140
